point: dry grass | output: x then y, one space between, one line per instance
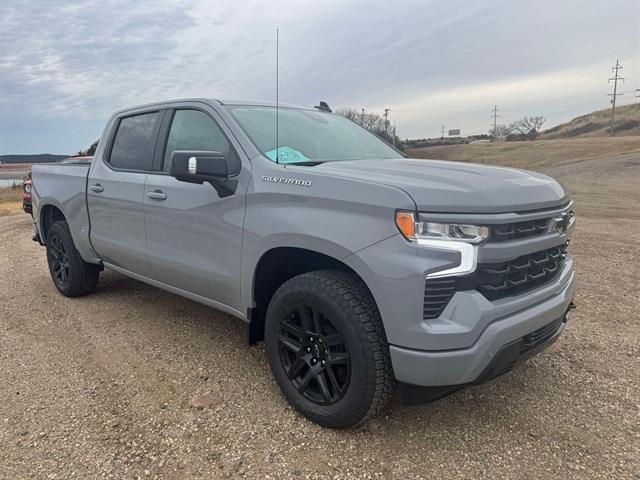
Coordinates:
16 166
595 124
540 153
10 201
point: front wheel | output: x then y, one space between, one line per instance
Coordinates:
327 348
71 275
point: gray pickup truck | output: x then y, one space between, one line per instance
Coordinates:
362 270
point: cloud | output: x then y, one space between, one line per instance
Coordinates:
66 67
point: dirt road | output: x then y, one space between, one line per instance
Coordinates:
101 386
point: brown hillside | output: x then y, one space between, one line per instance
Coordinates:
532 155
596 124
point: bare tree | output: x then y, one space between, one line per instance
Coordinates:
371 121
528 127
501 131
350 113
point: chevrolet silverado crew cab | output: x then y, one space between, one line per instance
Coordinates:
362 270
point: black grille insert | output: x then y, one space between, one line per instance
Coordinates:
513 231
496 280
499 280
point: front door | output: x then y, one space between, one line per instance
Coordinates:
194 236
115 192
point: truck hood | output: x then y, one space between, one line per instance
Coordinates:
457 187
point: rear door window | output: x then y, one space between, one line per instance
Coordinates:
134 142
195 130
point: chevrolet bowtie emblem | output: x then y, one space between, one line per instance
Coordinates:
560 223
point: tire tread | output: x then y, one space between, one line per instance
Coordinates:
84 276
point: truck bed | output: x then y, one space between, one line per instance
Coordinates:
64 186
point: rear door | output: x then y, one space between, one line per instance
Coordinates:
115 191
194 237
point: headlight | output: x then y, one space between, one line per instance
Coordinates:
416 229
27 188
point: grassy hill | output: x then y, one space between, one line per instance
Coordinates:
596 124
537 154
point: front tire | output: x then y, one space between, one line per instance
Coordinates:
327 348
71 275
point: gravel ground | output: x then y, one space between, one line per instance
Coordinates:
105 386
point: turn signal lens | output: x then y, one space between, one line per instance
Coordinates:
406 222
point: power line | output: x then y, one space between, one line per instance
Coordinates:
615 93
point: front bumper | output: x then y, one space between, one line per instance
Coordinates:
470 365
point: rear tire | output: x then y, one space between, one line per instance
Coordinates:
327 348
71 275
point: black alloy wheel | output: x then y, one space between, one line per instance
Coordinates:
71 275
327 348
314 355
59 261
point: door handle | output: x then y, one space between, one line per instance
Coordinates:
157 195
96 188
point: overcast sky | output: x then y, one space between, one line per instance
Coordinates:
65 66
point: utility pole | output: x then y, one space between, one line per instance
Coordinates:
615 93
638 90
362 117
442 129
386 120
495 121
394 133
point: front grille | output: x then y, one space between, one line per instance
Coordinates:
437 294
496 280
540 336
517 230
505 279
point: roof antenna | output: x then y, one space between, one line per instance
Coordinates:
277 99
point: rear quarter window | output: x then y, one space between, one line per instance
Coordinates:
134 142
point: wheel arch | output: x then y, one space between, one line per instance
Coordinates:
49 214
278 265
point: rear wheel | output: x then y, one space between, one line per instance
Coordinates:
71 275
327 348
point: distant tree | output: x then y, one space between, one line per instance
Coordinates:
371 121
89 152
501 131
350 113
527 127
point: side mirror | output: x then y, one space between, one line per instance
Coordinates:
198 166
202 166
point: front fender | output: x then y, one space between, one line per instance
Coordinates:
252 256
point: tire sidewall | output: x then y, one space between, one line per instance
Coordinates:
58 230
355 404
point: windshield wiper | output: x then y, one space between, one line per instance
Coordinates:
309 163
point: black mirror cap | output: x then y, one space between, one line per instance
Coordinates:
198 166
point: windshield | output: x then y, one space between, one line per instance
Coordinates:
308 136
